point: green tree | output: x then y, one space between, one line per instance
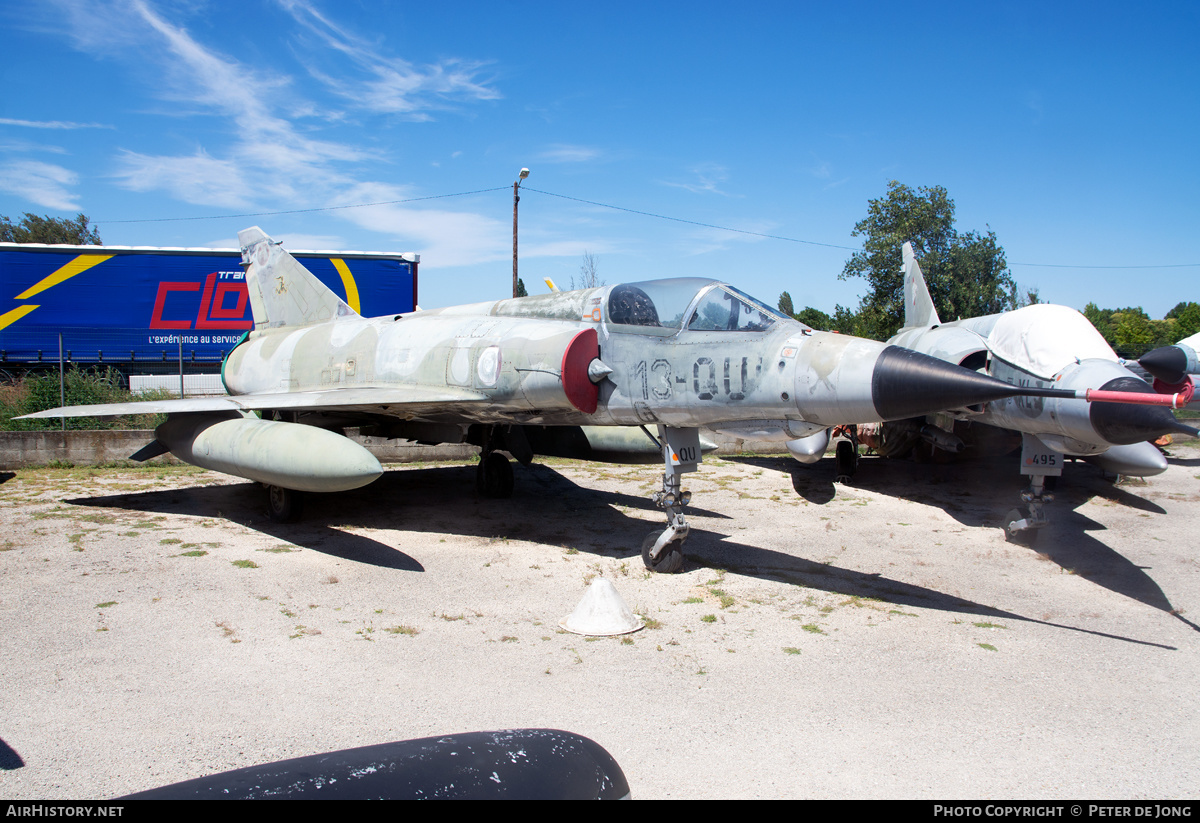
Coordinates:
1187 320
785 305
34 229
521 288
1102 320
816 318
1131 332
847 321
967 274
1134 332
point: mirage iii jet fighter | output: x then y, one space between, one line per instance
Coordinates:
1038 345
523 376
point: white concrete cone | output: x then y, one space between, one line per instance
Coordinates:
601 613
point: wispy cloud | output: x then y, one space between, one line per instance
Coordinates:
197 178
42 183
564 153
51 124
707 178
291 242
705 240
387 84
30 146
274 158
445 238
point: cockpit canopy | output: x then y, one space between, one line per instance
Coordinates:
686 302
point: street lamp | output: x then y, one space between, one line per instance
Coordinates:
516 199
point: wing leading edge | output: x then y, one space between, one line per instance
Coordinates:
388 400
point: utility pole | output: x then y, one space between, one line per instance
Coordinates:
516 199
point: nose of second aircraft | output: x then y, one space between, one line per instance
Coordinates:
1122 424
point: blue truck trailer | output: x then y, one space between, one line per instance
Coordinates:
142 309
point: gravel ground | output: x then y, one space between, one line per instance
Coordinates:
873 640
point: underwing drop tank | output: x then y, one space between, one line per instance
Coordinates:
287 455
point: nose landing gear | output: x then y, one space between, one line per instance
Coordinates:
662 551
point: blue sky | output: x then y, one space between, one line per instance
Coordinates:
1068 128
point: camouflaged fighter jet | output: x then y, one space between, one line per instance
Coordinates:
1038 345
523 376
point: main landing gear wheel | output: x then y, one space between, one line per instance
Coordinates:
494 476
284 505
845 460
1014 534
669 562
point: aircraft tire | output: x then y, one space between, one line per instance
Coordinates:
494 477
284 505
1023 537
845 461
669 562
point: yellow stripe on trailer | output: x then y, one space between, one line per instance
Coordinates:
348 283
10 317
80 264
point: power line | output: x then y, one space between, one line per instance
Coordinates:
301 211
691 222
601 205
826 245
1069 266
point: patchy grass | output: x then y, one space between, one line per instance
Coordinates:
245 564
790 650
106 604
410 631
726 600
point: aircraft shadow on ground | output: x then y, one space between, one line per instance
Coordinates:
1189 462
978 494
245 504
9 759
438 500
547 507
765 563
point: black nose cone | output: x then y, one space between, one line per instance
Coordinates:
1122 424
906 384
1167 363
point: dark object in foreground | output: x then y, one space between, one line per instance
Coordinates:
516 764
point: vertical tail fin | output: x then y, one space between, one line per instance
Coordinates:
283 292
919 311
